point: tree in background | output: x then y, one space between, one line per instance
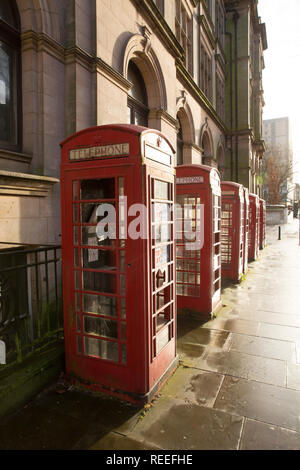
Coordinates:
277 175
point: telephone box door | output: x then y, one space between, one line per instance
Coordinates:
99 280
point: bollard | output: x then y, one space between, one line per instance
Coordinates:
279 232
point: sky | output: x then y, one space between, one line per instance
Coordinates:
281 76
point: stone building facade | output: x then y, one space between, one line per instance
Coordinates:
246 42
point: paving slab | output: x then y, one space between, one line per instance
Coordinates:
293 376
285 333
117 441
173 424
193 386
237 364
261 436
263 402
264 347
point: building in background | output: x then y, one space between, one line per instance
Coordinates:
278 160
189 68
245 44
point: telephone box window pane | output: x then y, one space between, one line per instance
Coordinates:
75 215
79 345
122 261
162 339
100 305
76 258
161 190
99 259
123 331
75 186
122 285
101 327
123 308
75 235
97 189
101 348
77 279
121 186
123 353
78 317
162 212
89 237
99 282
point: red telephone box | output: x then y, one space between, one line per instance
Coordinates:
232 231
253 227
117 192
198 264
262 231
246 230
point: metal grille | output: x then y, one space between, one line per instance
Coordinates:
30 299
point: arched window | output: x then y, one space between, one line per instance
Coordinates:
179 154
137 100
10 80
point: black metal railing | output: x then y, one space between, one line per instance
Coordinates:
30 300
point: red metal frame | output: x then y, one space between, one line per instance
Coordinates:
246 230
232 230
262 231
119 338
254 214
199 271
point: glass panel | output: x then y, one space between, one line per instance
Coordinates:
76 258
89 237
99 282
75 235
122 261
75 186
97 189
78 317
123 331
7 60
77 302
101 327
162 339
100 305
162 212
122 284
123 308
121 186
77 280
101 348
99 259
123 353
161 190
79 345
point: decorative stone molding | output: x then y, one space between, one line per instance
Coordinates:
139 48
16 156
22 184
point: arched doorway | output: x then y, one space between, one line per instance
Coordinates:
179 147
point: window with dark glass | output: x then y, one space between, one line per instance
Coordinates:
205 72
184 33
160 5
9 75
220 22
179 143
137 104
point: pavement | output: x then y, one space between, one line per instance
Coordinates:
237 385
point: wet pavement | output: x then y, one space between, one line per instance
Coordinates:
237 385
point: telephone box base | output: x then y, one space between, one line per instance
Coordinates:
133 398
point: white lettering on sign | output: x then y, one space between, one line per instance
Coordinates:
2 352
189 180
103 151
